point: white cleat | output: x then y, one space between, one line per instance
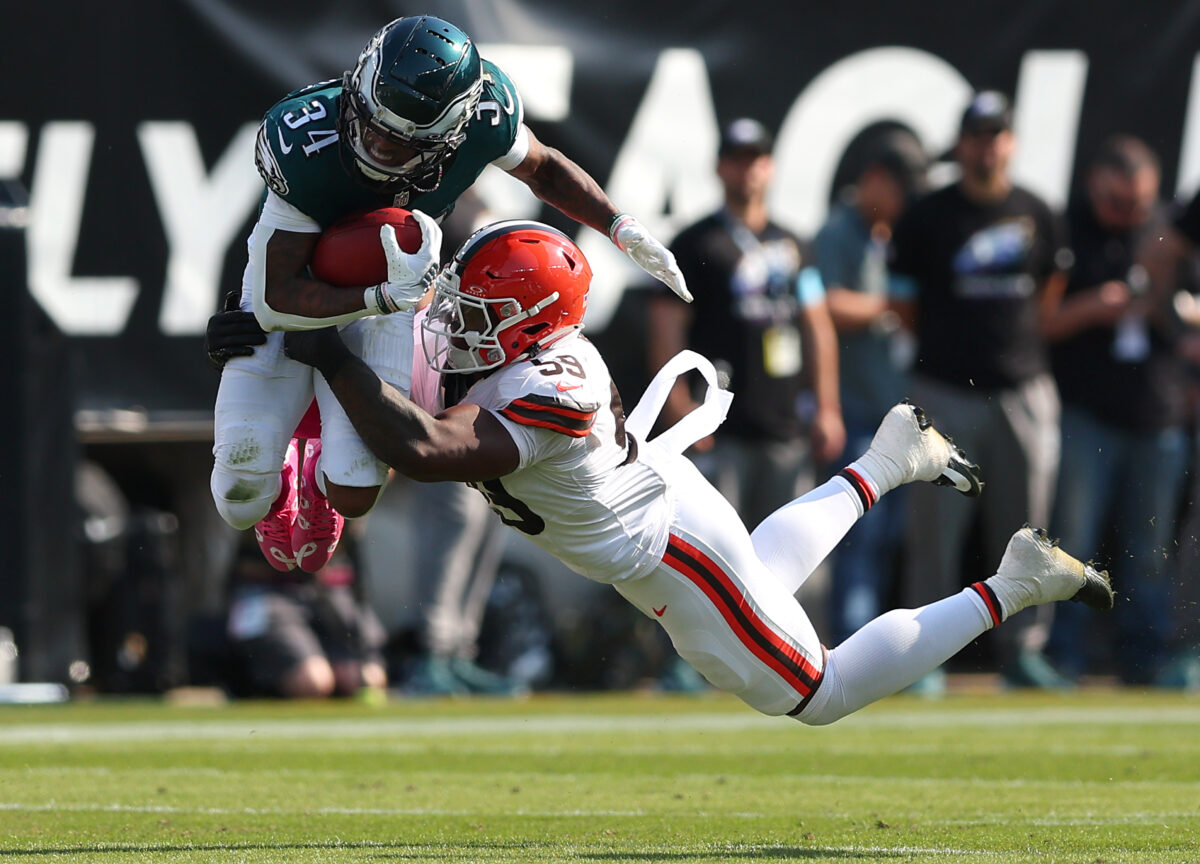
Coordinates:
1034 570
913 450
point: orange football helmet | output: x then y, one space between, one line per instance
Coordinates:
512 288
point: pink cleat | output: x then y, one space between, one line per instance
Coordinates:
318 527
274 531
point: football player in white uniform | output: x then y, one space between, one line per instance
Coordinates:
534 422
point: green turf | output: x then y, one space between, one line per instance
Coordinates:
1095 777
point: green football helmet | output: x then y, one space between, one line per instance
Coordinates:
405 105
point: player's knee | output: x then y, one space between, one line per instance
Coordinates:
245 481
819 718
243 499
828 704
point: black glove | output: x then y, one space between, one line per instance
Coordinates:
231 333
322 349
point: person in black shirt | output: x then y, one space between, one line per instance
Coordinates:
980 254
1124 446
1173 260
760 314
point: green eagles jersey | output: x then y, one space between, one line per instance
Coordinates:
298 152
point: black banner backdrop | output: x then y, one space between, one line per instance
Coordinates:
131 127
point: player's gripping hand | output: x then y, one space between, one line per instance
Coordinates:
231 333
634 240
409 273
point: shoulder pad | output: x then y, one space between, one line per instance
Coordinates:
296 128
558 413
554 392
500 103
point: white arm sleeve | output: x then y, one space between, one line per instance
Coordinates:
517 152
278 215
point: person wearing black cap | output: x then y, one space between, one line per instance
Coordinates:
884 167
981 254
759 313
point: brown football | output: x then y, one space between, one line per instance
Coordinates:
349 253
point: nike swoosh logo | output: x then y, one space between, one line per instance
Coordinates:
563 388
284 147
659 612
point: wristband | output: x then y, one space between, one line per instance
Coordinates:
376 300
615 225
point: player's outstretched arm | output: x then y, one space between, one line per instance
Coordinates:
562 184
464 443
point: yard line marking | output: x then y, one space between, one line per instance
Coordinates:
54 807
574 724
1140 818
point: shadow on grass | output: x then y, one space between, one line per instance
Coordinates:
766 853
176 848
434 852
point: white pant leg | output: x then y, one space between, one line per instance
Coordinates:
892 651
385 343
797 537
260 400
727 614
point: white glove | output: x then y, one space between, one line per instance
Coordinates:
634 240
409 273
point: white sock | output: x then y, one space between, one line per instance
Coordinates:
893 651
878 470
798 536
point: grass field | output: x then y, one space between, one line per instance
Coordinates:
1089 777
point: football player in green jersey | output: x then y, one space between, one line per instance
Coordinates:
413 124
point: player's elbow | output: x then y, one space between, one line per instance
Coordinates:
267 317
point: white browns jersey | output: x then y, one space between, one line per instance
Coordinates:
579 491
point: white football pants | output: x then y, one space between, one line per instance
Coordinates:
263 397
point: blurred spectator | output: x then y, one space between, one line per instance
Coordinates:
1173 260
459 545
982 252
303 636
760 315
1124 446
888 169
